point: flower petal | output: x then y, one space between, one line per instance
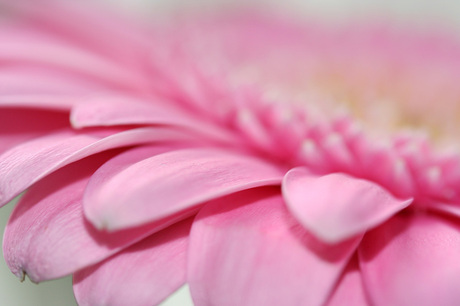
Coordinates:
246 249
337 206
350 290
47 235
168 183
53 102
112 110
44 82
116 110
25 164
143 274
452 209
97 24
19 125
61 55
412 260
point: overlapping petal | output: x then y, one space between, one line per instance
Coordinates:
47 235
247 250
350 288
143 274
112 110
29 162
18 125
337 206
171 182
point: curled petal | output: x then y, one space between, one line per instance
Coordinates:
246 249
337 206
169 183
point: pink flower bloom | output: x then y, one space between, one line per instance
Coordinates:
227 152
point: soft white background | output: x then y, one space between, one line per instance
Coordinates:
422 13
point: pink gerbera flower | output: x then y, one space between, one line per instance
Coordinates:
261 161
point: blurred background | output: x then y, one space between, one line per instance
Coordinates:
423 14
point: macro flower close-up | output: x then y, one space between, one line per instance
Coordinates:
257 158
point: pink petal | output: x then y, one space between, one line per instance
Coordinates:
246 249
337 206
47 235
447 208
43 101
171 182
27 163
143 274
350 290
118 110
67 25
19 125
60 55
44 82
412 260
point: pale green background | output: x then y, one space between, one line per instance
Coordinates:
423 13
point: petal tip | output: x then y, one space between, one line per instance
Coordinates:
336 206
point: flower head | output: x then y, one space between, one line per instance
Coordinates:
259 160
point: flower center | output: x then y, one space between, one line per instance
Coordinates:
391 102
389 81
386 96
